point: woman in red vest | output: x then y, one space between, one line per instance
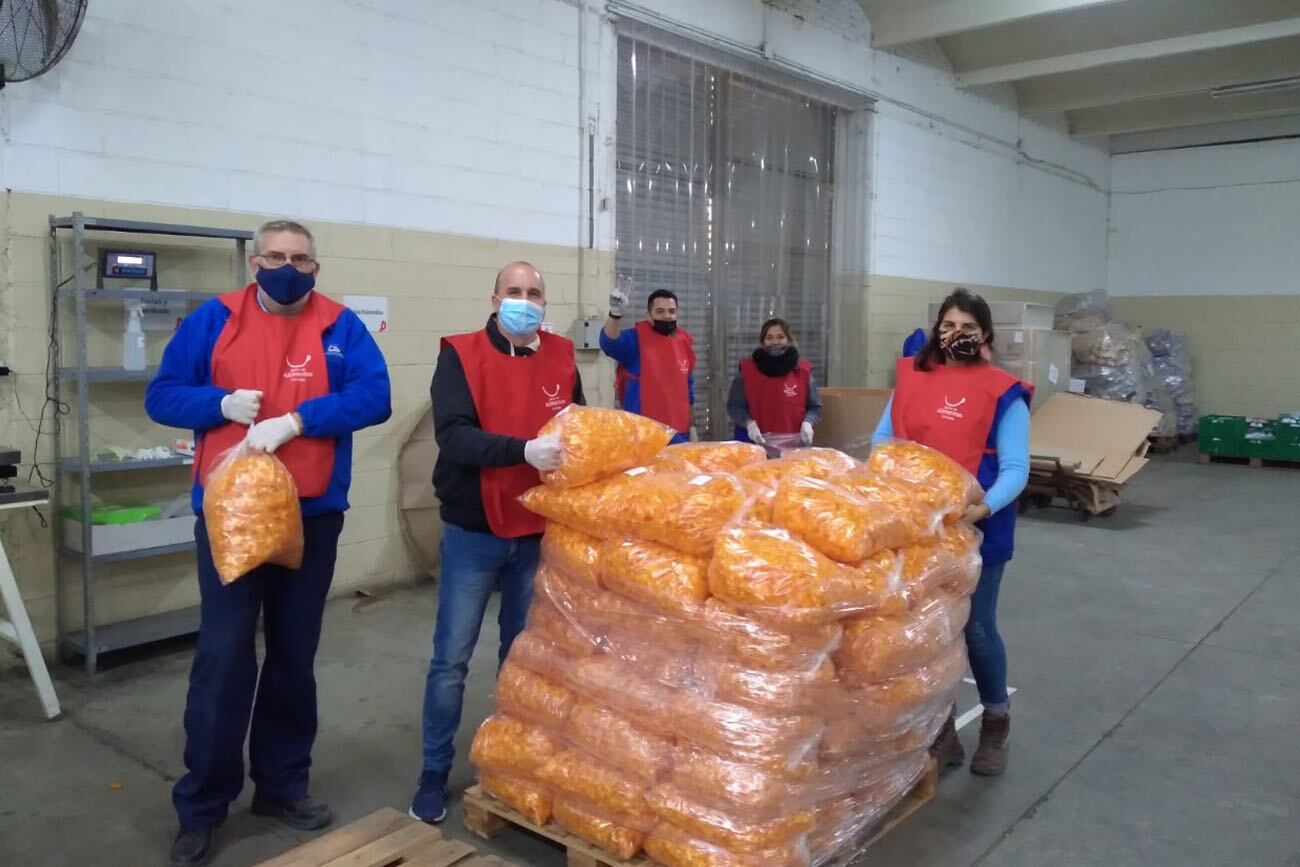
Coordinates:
775 392
950 398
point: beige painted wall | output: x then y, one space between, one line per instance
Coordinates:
1243 347
437 285
897 306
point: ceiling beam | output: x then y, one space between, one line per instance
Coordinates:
1166 76
1194 109
1281 126
1227 38
903 21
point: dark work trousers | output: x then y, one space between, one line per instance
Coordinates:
224 678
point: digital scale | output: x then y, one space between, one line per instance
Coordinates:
128 265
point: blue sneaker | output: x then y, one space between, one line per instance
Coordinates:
430 802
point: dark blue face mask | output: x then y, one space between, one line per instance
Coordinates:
286 284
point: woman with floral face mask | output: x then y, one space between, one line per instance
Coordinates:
774 392
950 398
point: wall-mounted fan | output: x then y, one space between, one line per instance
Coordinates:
35 34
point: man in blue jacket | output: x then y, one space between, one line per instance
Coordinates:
274 367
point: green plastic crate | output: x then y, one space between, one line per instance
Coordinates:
1223 435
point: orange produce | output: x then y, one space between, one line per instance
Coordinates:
915 463
838 523
548 621
754 644
897 703
251 508
773 740
619 741
528 696
723 828
746 788
656 575
877 648
593 783
773 576
599 442
675 848
680 510
532 800
575 554
719 457
608 681
596 829
513 747
777 691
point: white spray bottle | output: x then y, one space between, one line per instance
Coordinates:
134 356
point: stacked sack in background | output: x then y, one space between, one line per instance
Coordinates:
1172 362
1109 357
731 661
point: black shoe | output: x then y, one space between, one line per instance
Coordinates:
193 848
305 814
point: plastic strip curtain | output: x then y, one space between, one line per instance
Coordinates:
725 196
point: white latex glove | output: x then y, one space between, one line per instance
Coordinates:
806 433
617 303
267 436
242 406
755 435
544 453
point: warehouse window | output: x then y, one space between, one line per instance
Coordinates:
726 192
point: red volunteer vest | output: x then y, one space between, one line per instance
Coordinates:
282 357
777 403
666 365
950 408
514 395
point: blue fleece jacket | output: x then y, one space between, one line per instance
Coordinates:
626 350
182 394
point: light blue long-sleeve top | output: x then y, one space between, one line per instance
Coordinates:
1011 440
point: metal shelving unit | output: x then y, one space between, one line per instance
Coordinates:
74 472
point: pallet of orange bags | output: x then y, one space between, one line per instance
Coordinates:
489 818
385 838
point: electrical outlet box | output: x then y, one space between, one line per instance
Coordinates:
586 333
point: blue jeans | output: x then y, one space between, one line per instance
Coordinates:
988 655
227 692
473 565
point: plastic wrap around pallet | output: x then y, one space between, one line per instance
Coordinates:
735 662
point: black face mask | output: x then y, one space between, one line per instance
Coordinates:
776 363
964 348
666 327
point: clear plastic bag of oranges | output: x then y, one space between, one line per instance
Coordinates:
599 442
251 509
913 462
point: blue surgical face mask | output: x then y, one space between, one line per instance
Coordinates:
286 284
521 318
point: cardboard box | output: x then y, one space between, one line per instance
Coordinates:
1041 358
117 538
849 418
1013 314
1095 439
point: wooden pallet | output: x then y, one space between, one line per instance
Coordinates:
1255 463
488 817
1163 445
385 838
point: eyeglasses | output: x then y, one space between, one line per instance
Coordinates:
301 261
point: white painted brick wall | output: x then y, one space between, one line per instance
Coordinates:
1207 221
462 116
455 116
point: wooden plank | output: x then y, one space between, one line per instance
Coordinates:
444 853
488 817
340 842
920 795
387 851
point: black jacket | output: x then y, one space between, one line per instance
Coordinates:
463 446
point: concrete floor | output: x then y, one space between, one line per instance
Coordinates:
1157 655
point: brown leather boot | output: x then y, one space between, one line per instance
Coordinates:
991 755
946 749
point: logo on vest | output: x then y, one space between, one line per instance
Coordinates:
553 399
334 349
951 410
297 371
684 365
791 389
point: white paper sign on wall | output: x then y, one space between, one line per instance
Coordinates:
161 313
371 309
